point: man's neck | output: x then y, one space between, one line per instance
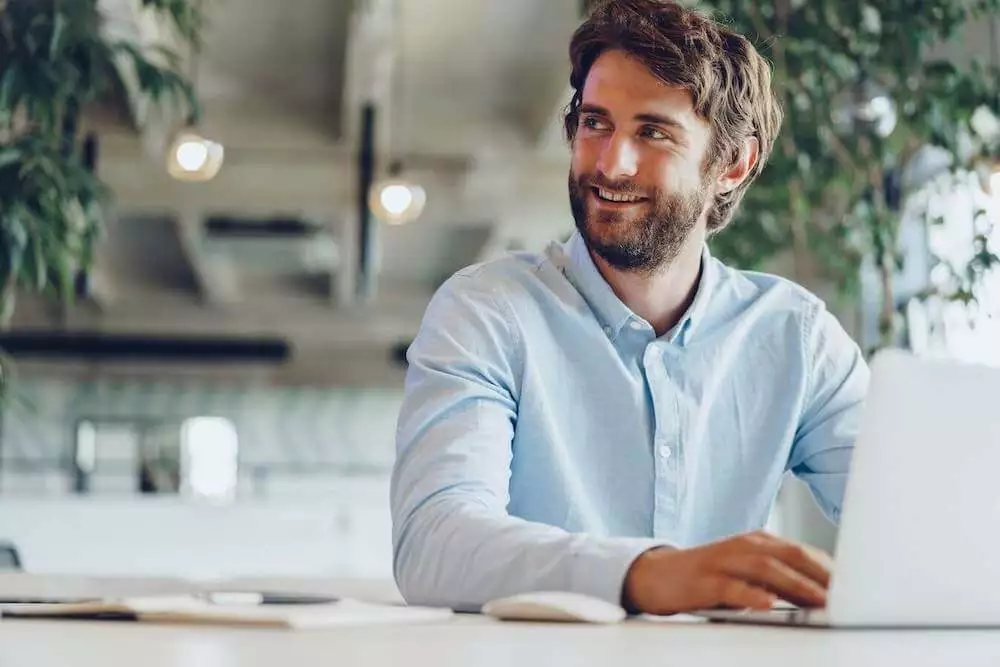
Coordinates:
660 298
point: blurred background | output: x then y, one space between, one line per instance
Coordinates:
221 222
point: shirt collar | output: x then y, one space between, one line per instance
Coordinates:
612 313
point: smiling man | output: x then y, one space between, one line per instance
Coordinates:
614 416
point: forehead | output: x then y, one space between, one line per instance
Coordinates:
624 86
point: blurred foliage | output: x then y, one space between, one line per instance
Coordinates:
861 97
56 60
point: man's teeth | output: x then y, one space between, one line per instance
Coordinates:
614 196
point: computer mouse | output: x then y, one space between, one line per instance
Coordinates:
554 606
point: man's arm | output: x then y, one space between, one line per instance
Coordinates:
821 454
453 542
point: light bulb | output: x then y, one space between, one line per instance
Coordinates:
396 198
397 201
192 155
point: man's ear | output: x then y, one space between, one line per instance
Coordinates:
730 179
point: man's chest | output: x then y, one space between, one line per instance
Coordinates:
674 410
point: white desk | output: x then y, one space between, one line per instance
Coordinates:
470 640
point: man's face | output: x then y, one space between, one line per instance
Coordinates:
637 140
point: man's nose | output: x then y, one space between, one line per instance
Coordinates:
619 159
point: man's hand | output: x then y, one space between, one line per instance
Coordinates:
751 570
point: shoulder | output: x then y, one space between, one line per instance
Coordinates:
506 283
752 287
480 299
768 299
790 313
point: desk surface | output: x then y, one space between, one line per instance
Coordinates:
475 640
478 641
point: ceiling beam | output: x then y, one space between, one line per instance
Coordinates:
217 278
369 66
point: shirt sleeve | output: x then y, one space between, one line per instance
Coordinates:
454 544
824 443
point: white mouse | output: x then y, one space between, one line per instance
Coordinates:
554 606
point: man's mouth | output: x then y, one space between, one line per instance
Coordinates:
612 197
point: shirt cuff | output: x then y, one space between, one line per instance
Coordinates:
599 569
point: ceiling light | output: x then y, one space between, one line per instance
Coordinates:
396 201
192 157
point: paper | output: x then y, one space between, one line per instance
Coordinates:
194 609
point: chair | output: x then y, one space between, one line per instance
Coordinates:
9 558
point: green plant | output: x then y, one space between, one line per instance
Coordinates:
56 63
861 98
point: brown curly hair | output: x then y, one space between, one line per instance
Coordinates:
728 79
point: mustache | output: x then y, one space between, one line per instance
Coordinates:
621 186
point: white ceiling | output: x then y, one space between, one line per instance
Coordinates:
468 73
290 52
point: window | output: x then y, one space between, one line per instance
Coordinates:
196 457
959 210
209 458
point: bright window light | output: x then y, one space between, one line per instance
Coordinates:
86 446
210 449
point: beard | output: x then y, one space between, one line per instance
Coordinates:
641 243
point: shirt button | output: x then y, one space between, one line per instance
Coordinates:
608 331
636 325
665 451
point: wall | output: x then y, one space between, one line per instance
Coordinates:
312 497
276 425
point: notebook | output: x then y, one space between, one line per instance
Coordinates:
206 610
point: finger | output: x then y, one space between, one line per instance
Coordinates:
809 561
775 576
738 594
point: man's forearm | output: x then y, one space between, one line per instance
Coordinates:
453 552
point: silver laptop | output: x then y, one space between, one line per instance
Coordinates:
919 542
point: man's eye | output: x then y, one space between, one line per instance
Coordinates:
654 134
591 123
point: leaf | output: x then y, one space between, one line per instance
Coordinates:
58 32
7 302
8 91
9 156
41 268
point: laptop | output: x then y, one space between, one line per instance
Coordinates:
919 540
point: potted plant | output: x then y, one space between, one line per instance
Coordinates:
57 63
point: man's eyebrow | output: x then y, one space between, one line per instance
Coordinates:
660 120
593 108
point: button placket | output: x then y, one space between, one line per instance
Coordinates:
666 438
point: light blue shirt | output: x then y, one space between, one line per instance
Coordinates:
548 436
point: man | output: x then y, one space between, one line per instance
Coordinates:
614 416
